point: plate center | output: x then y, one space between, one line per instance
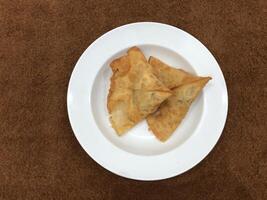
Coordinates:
139 140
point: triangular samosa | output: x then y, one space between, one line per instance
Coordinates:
135 92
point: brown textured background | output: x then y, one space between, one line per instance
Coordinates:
40 42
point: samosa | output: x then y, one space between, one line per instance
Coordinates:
185 88
135 92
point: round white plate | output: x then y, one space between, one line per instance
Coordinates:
138 154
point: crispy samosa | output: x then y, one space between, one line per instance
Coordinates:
135 92
185 86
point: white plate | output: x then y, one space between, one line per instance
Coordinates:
138 154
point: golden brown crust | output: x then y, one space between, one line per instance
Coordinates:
171 77
120 65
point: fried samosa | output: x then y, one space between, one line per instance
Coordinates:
135 92
185 88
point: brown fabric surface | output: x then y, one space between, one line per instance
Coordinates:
40 42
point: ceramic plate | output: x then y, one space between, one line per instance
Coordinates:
138 154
